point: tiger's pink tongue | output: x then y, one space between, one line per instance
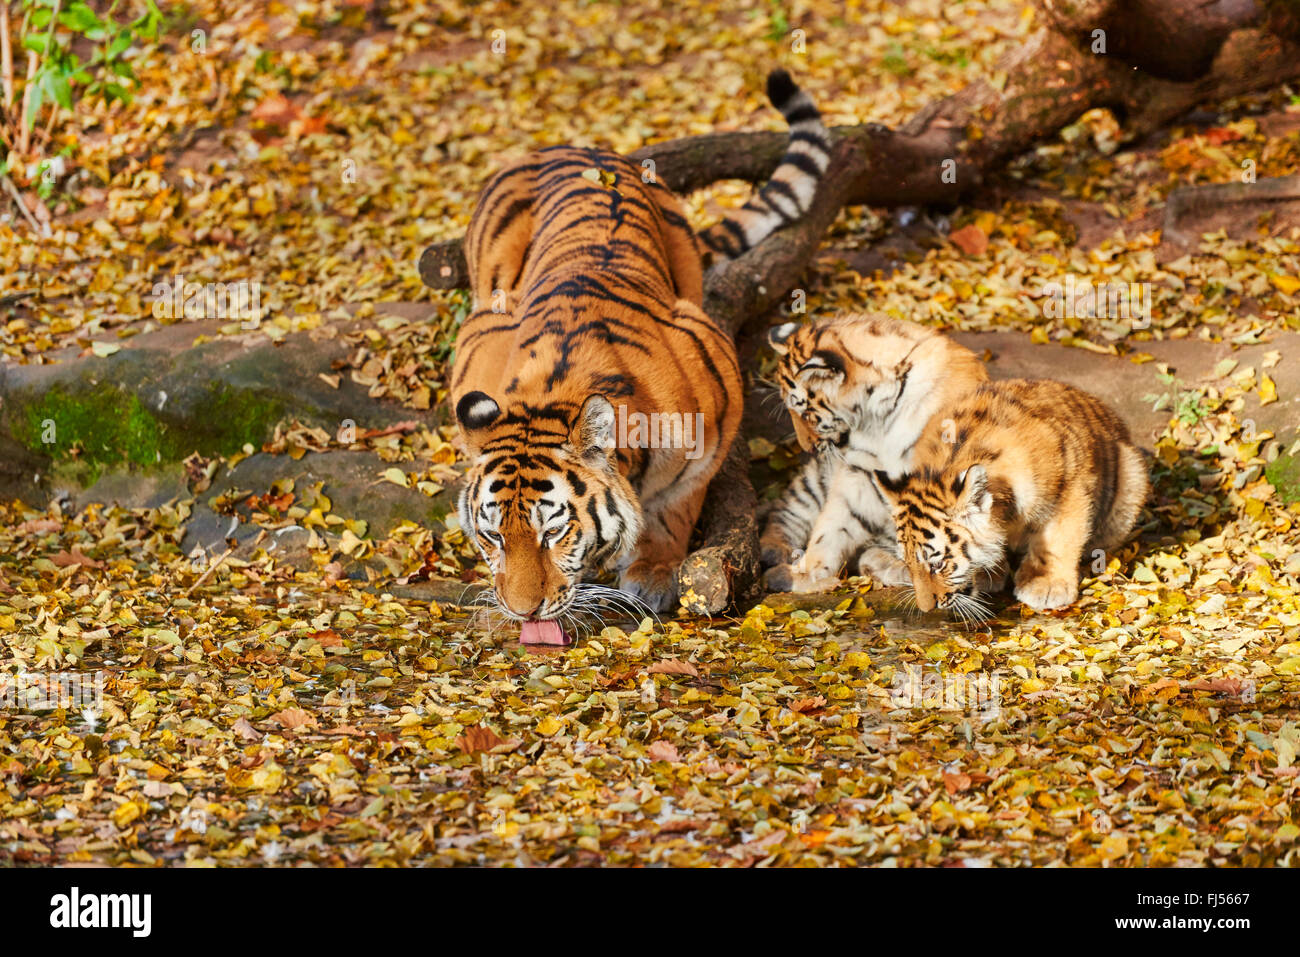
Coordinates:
542 633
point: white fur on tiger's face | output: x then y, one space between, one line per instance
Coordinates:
860 390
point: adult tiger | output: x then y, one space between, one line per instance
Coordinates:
588 286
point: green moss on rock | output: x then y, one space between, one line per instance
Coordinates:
1283 473
86 431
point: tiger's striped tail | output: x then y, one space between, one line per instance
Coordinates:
789 193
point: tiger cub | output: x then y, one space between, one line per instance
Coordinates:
860 390
595 398
1031 465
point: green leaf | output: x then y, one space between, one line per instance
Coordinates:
80 18
114 91
119 45
147 25
34 104
57 87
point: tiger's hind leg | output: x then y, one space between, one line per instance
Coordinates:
854 518
651 574
499 236
791 521
1133 485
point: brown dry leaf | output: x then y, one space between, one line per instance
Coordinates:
276 110
955 783
343 730
805 705
673 666
1163 690
65 559
970 239
292 718
328 638
478 738
662 751
679 825
247 731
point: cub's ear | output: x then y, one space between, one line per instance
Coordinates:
592 433
971 489
475 412
890 488
777 336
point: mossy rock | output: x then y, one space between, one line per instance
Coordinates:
1283 473
85 431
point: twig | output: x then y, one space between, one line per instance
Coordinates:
24 131
6 58
22 206
217 564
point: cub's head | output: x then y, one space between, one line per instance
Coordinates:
544 499
837 375
947 533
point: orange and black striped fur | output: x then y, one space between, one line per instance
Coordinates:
1030 466
860 390
588 287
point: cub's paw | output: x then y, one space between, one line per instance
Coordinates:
1044 592
773 552
656 585
812 576
779 577
792 578
884 568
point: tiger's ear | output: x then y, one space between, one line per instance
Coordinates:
777 336
890 488
592 434
475 412
971 489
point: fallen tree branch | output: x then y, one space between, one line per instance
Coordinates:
725 570
1211 196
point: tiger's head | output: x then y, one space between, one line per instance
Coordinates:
544 499
838 374
948 532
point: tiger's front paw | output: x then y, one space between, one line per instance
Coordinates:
654 584
1045 592
885 568
807 575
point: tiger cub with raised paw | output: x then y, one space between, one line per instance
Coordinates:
860 390
1034 466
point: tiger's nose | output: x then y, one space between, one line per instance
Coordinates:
521 609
